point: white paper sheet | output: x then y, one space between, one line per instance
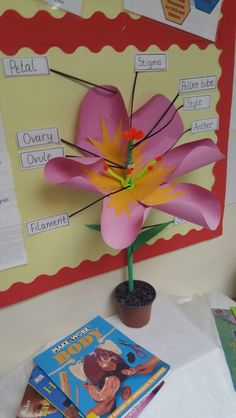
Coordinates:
160 336
230 197
73 6
196 21
199 384
12 250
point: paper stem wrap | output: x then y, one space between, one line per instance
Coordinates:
130 269
148 233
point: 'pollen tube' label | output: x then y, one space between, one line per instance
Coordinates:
187 85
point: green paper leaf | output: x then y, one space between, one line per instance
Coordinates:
143 237
151 232
95 227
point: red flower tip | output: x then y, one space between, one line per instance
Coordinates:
126 136
159 158
151 167
133 133
105 167
139 134
129 170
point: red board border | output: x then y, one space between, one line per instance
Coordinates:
42 31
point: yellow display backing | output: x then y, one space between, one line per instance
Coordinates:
47 101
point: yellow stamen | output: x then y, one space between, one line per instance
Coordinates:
116 176
145 170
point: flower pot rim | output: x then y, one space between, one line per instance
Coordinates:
136 281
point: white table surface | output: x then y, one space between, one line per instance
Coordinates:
182 332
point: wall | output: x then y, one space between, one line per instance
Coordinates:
201 268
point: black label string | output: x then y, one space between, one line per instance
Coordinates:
172 146
98 200
157 123
132 99
114 164
80 80
167 123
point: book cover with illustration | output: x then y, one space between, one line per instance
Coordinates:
226 327
35 405
43 385
101 370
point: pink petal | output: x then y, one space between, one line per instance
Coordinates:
190 156
98 104
120 231
196 205
145 119
69 172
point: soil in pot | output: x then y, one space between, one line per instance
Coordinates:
135 308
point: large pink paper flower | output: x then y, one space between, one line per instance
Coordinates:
157 163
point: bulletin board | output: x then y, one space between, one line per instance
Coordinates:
49 103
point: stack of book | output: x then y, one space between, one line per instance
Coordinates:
96 371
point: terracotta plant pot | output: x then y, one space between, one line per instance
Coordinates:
135 308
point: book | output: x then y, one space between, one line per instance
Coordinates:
43 385
58 404
101 370
35 405
233 310
139 407
226 327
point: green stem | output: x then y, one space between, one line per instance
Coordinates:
130 161
130 268
130 153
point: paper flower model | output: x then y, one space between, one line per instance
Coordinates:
135 165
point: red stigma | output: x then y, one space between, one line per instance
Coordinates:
133 133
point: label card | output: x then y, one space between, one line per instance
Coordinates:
197 102
35 159
36 137
150 62
46 224
25 66
210 124
178 221
73 6
187 85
